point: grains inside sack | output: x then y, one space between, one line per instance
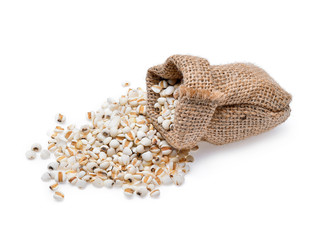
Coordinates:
168 91
119 148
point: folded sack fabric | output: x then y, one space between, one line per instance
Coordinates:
218 104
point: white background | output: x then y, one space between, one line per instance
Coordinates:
69 56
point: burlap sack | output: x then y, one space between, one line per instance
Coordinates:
218 104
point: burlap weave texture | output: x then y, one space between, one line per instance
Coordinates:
219 104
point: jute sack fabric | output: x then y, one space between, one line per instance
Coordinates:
219 104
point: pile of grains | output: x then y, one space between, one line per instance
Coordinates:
119 148
168 91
